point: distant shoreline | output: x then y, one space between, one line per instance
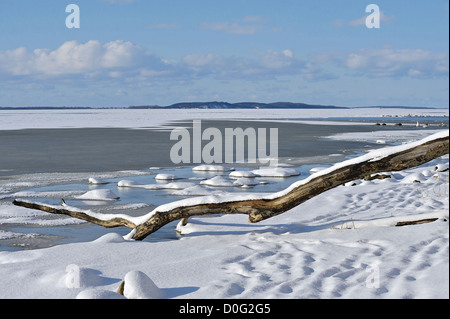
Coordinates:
216 105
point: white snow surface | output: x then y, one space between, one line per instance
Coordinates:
340 244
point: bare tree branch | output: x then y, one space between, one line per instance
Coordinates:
83 215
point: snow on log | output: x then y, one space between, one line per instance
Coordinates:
260 207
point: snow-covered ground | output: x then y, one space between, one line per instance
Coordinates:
340 244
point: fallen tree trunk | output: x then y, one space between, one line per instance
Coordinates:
387 159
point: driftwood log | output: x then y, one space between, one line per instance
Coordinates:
260 209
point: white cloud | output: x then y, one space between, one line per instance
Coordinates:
278 59
202 60
73 57
124 63
389 62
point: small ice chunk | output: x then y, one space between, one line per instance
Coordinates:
212 168
95 181
245 182
218 181
99 194
276 172
126 183
166 177
240 174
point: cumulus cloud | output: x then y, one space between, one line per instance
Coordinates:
73 57
126 63
121 59
268 63
389 62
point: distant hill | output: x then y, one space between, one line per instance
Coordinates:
214 105
240 105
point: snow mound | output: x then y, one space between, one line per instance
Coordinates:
81 277
218 181
276 172
212 168
414 178
166 177
99 194
110 238
139 286
126 183
245 182
95 181
239 174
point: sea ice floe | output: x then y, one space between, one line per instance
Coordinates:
212 168
239 174
218 181
166 177
276 172
99 194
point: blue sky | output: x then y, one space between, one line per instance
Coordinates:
146 52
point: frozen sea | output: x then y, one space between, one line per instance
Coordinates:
47 155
